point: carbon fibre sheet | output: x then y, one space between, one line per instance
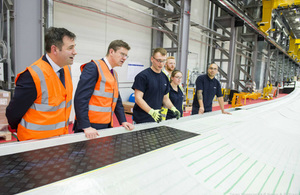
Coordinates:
27 170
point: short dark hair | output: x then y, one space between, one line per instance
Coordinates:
116 44
54 36
162 51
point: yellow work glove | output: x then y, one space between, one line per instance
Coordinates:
155 115
176 112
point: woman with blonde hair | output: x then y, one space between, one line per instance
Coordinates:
175 94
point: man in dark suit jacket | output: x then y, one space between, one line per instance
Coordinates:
60 51
97 96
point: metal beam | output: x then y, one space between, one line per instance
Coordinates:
239 84
175 5
154 7
223 73
267 68
232 53
141 11
8 4
245 72
206 29
276 67
254 58
171 35
28 17
224 20
48 11
217 46
232 9
157 36
183 41
8 60
171 49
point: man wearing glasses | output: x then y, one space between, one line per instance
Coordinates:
207 86
97 96
151 88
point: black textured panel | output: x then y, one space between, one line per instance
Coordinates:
27 170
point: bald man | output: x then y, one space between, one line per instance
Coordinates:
207 86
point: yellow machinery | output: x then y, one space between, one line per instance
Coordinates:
237 98
253 96
188 89
268 6
225 91
294 47
267 91
298 54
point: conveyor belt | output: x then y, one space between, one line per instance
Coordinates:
27 170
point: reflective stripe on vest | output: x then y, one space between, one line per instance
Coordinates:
101 93
70 71
45 107
43 83
36 127
99 109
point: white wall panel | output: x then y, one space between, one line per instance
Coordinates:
95 30
97 22
198 40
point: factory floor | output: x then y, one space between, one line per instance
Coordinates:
216 107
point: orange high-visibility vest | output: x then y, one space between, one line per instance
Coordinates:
104 99
49 114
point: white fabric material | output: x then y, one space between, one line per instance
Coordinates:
253 151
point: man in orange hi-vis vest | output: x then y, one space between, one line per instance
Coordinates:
97 95
42 102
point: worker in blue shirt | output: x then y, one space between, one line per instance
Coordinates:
175 94
151 87
207 86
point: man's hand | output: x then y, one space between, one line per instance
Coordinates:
90 132
128 126
156 115
201 110
176 112
224 112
